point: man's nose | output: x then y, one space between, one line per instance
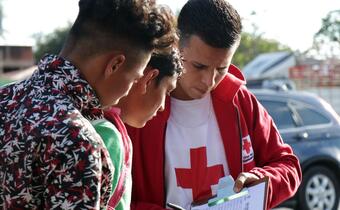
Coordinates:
208 78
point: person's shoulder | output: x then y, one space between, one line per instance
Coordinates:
244 97
67 128
74 121
244 91
107 130
230 92
12 92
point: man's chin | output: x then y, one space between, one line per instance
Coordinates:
110 105
199 95
136 124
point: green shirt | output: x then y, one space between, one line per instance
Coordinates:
114 144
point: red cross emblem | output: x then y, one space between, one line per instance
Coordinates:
247 145
199 177
248 152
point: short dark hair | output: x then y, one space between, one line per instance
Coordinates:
104 25
168 64
216 22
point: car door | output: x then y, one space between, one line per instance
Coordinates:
300 125
316 124
285 118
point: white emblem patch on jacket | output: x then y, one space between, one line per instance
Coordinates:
247 151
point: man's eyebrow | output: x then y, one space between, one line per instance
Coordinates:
222 67
200 64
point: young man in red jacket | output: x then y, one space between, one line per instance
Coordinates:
212 125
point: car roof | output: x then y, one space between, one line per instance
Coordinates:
301 96
306 97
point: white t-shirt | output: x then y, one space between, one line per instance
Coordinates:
194 151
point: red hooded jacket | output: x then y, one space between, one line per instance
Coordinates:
238 115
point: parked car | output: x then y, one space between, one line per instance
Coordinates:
312 128
274 84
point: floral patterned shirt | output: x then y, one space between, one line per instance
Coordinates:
50 155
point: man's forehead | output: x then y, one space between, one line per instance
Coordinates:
209 62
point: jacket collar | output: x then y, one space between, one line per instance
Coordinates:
61 76
230 85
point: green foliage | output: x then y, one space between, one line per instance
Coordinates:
252 45
327 39
51 43
330 29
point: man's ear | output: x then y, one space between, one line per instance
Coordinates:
149 76
114 64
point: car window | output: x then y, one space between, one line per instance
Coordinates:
310 116
280 113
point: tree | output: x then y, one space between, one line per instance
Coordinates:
330 29
327 39
252 45
51 43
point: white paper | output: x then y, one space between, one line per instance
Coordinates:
254 200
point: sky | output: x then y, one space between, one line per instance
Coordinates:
291 22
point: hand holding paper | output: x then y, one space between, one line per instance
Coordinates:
251 198
244 179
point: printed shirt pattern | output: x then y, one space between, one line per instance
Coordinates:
50 155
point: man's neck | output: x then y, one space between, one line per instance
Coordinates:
179 94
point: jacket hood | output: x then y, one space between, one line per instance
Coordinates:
230 85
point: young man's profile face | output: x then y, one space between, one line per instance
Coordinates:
120 82
139 106
205 67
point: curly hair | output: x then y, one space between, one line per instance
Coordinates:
216 22
103 25
168 64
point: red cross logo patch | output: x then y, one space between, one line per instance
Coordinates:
200 176
247 151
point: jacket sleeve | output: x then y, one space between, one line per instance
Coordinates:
76 172
273 158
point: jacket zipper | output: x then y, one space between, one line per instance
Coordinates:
240 134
